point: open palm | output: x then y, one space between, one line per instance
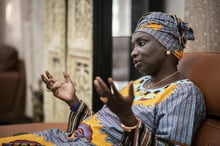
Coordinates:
64 91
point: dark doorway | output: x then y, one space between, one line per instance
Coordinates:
102 44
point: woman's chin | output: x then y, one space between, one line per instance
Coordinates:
144 72
141 71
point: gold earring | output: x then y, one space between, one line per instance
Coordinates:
167 53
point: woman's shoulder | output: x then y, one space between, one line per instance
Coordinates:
186 85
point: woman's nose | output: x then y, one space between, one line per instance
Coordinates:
134 53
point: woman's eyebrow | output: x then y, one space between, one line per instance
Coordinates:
141 37
134 40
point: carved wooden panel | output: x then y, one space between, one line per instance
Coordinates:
81 73
79 51
79 63
54 35
80 25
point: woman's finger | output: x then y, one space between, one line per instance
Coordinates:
98 88
44 79
49 82
67 77
102 83
112 84
131 90
49 76
101 88
105 88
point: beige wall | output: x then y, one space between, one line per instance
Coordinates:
175 7
204 18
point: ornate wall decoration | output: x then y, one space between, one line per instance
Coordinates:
79 63
54 35
80 24
79 51
81 75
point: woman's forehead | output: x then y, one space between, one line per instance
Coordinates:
139 34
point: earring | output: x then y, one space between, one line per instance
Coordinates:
167 53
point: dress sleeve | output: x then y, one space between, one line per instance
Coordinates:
177 119
75 118
179 116
139 136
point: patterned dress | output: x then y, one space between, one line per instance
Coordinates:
169 115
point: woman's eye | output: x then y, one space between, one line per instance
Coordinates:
142 43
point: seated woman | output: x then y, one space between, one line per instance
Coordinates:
160 108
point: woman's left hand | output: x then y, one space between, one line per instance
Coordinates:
118 104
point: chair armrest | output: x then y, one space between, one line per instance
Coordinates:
10 130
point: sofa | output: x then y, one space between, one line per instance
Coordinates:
12 87
203 69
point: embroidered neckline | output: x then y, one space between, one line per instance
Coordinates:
151 93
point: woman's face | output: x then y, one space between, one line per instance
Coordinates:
148 54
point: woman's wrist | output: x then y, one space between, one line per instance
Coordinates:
129 128
129 122
75 107
74 101
128 119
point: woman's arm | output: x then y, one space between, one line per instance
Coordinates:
65 91
177 119
78 113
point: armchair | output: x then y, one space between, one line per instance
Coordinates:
203 69
12 86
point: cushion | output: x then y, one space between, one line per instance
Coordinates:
8 91
8 58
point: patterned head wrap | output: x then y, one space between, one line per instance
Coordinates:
169 30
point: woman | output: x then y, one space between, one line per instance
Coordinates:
160 108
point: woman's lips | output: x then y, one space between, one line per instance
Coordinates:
137 63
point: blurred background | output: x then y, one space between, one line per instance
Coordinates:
86 38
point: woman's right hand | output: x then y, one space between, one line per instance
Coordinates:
64 91
115 101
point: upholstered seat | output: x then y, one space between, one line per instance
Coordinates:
12 86
204 70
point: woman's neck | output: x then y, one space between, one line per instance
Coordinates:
163 79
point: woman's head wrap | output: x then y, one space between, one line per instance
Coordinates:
169 30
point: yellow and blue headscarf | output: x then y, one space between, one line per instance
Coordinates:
169 30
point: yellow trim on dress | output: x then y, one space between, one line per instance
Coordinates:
158 98
98 138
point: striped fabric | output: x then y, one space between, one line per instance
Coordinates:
75 118
169 115
169 30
